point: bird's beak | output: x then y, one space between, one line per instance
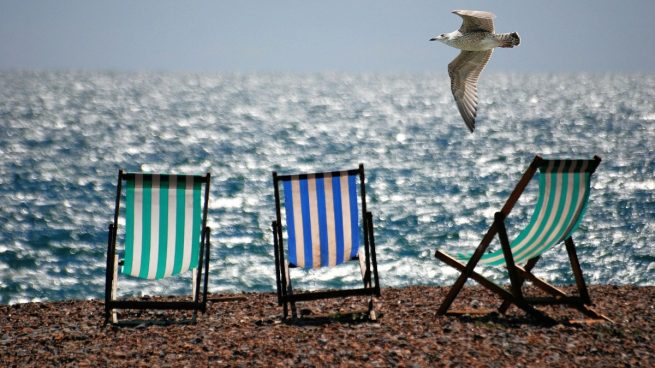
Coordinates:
434 38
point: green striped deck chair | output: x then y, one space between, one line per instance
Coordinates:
564 187
324 229
165 235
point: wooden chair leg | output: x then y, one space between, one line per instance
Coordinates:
372 315
454 290
294 311
577 271
109 273
194 276
528 267
468 269
289 292
559 296
366 278
506 295
579 280
374 262
515 279
114 315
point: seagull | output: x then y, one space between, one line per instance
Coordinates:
476 39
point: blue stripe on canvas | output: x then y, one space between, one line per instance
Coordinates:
306 223
322 220
291 228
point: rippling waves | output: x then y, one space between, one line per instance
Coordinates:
431 184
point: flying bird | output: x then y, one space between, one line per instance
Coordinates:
476 39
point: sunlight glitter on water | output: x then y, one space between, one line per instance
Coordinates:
430 184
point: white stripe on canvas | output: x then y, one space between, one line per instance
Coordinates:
329 214
138 225
313 219
154 228
188 224
347 230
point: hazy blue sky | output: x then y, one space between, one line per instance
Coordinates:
307 36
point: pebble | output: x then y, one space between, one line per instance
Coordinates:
251 332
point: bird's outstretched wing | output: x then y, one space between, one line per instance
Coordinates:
464 72
475 20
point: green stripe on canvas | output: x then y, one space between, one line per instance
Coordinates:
179 226
163 227
146 226
129 225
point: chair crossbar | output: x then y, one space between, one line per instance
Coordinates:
158 305
315 295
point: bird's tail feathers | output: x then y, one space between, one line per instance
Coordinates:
509 39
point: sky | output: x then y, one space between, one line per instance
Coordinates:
314 36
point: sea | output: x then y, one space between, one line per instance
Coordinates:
431 184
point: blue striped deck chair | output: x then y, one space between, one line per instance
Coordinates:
165 235
324 228
564 187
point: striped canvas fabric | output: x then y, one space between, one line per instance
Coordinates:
322 219
163 223
564 188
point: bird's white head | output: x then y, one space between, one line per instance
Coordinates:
444 37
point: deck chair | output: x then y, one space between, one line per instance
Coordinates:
564 187
166 235
323 230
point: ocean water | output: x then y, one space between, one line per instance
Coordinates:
430 184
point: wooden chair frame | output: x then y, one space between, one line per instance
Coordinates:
199 296
517 274
287 297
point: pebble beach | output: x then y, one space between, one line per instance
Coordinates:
248 330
